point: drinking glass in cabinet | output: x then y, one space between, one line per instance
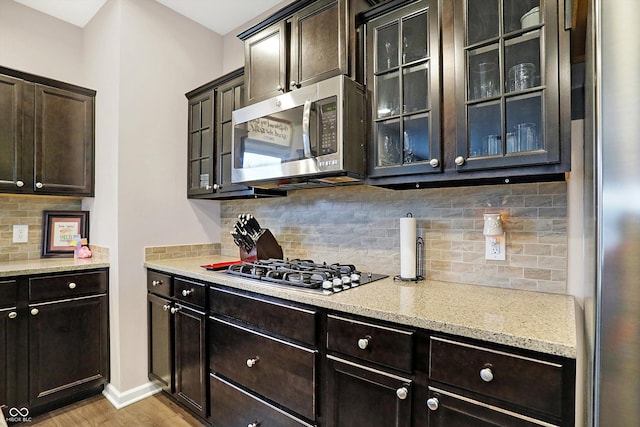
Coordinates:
524 120
415 37
521 76
415 88
522 61
387 47
527 136
389 144
416 138
388 95
483 80
485 128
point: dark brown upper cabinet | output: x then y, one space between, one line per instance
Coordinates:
210 137
403 79
487 102
46 136
303 43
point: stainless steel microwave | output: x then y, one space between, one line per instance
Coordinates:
312 136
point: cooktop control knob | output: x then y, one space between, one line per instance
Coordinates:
346 280
355 277
327 284
337 284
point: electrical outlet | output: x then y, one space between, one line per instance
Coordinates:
20 233
495 248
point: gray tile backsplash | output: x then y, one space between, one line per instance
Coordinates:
360 225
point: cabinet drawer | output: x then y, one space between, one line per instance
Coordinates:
279 318
528 382
8 293
374 343
280 371
189 292
67 286
232 406
159 283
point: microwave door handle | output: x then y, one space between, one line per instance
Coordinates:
306 141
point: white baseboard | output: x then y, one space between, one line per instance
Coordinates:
121 399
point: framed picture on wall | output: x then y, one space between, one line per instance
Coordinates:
59 228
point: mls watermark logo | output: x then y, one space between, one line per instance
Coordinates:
19 415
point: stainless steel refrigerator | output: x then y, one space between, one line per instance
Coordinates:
612 214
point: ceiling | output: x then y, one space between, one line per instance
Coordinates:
220 16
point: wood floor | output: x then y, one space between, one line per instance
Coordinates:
157 410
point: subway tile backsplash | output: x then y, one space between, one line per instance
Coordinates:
360 225
27 209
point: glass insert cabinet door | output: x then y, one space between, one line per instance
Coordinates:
402 65
507 83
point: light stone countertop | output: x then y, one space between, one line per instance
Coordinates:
50 265
535 321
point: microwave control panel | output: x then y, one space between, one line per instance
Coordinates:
328 125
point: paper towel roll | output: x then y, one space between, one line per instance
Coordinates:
407 248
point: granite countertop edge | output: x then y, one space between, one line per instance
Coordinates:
535 321
50 265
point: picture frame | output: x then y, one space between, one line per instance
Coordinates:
59 228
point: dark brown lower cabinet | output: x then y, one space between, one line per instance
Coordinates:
448 409
233 406
190 357
67 347
8 339
359 396
160 324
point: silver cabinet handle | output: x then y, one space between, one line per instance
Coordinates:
279 88
434 163
34 311
72 285
217 186
433 404
166 307
208 187
294 85
174 310
363 343
459 160
156 283
254 424
187 292
39 185
486 374
402 393
13 315
19 184
251 362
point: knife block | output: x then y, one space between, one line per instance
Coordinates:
266 247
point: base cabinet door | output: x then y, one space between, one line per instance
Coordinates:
232 406
190 358
67 347
160 324
448 409
8 341
363 397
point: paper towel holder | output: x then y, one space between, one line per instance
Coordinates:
419 263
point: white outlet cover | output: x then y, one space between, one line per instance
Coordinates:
20 233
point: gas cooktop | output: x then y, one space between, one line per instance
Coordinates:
305 274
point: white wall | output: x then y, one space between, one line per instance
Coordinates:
142 58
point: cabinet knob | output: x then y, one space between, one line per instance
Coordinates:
174 310
156 283
166 307
72 285
208 187
217 186
433 403
459 160
434 163
187 292
34 311
294 85
254 424
363 343
13 315
252 361
486 374
279 88
39 185
402 393
19 184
